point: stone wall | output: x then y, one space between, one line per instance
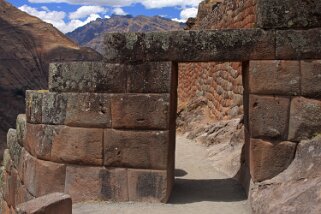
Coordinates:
219 83
101 132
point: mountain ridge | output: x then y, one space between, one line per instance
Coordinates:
92 34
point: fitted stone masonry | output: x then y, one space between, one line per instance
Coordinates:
106 130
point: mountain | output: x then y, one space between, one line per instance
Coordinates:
92 34
27 47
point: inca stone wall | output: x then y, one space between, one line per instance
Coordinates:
102 132
106 130
219 83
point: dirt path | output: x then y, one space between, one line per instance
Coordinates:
199 189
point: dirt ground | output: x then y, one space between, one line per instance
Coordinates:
199 188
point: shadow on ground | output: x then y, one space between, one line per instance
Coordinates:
216 190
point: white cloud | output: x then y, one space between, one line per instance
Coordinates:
117 3
188 12
45 8
179 20
57 18
107 17
119 11
86 11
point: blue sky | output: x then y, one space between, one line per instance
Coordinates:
68 15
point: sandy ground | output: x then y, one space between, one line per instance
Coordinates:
199 189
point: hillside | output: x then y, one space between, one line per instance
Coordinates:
92 34
27 46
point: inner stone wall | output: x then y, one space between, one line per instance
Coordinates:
219 83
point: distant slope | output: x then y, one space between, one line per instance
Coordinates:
26 48
92 34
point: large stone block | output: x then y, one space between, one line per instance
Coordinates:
136 149
14 147
277 77
305 119
152 77
87 77
268 159
80 110
49 204
147 185
88 110
311 78
140 111
192 46
269 116
298 44
288 14
21 127
96 183
43 177
65 144
10 187
34 106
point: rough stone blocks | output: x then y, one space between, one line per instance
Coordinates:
305 119
274 77
267 159
138 111
39 174
49 204
99 77
65 144
269 116
96 183
87 77
147 185
21 127
136 149
190 46
298 44
311 78
83 109
288 14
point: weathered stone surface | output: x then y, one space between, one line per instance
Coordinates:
5 209
295 190
10 187
267 159
43 177
298 44
136 149
49 204
74 109
14 147
152 77
183 46
311 78
21 128
269 116
305 118
53 108
96 183
275 77
288 14
34 106
22 194
65 144
88 110
147 185
87 77
138 111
